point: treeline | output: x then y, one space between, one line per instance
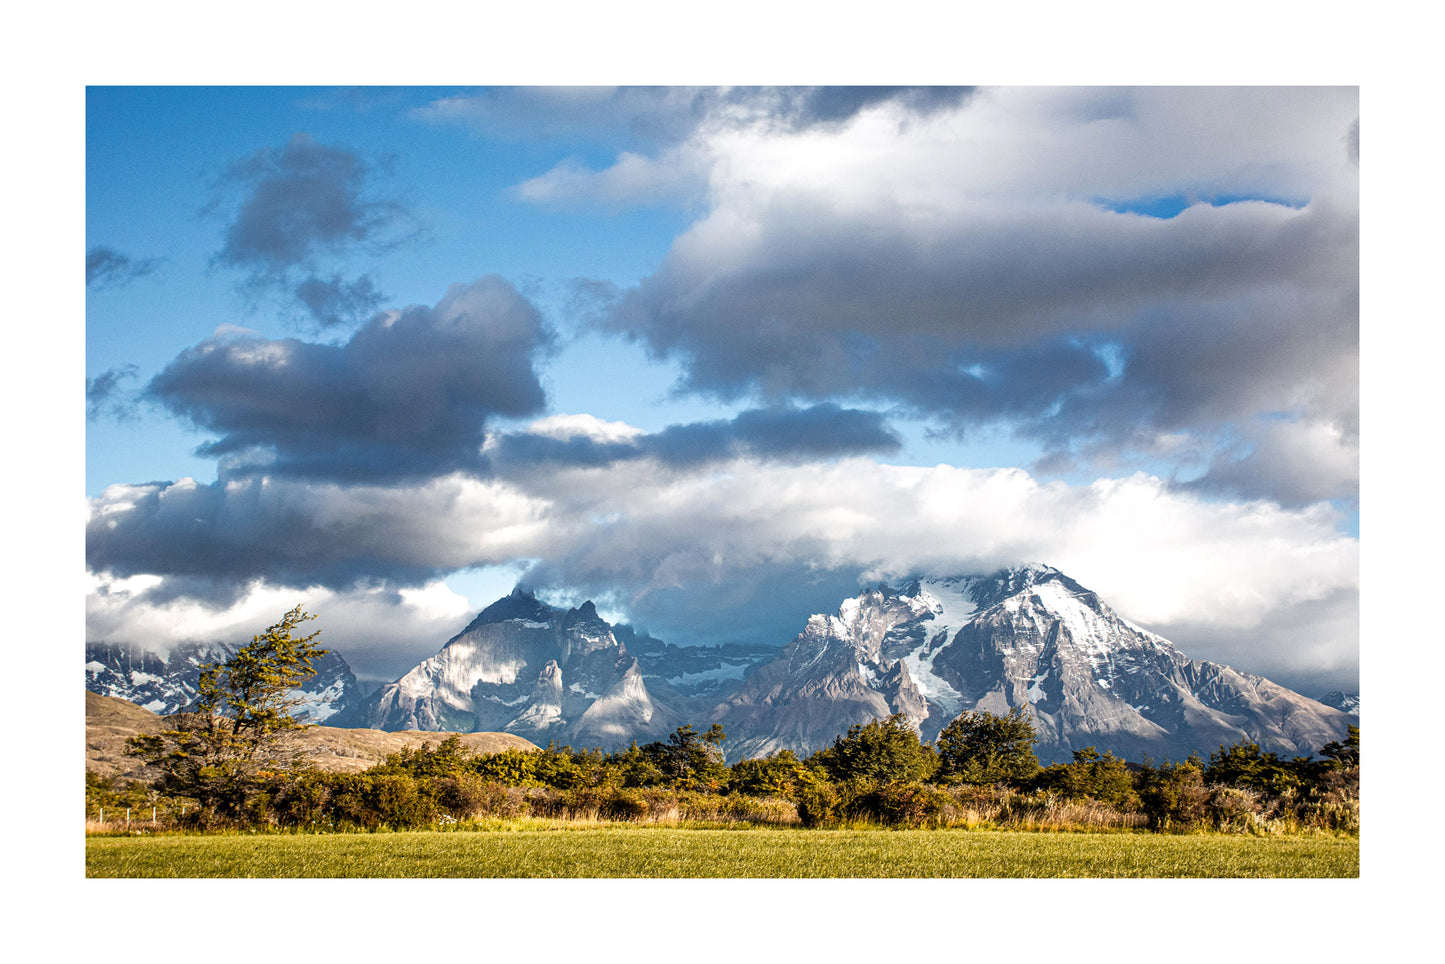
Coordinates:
878 774
226 765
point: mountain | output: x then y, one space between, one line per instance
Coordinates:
547 673
1027 637
931 649
1345 702
167 684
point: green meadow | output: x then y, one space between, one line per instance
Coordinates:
605 850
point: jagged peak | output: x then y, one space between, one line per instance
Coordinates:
520 603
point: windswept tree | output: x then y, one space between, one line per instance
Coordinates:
984 747
237 731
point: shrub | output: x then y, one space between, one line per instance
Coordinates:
1174 796
1235 808
910 804
396 800
817 803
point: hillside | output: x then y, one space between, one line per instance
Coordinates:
109 721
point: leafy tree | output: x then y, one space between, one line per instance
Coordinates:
237 733
689 760
881 751
984 747
448 759
515 768
1105 778
776 775
636 769
1245 765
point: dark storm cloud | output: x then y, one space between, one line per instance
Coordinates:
408 395
299 207
215 539
781 434
104 392
107 267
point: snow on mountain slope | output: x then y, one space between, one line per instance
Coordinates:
1027 637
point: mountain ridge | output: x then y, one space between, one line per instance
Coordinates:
927 647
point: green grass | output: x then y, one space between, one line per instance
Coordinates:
618 851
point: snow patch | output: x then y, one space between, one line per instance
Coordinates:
1036 690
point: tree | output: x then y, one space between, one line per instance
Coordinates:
691 761
984 747
1343 755
881 751
776 775
1245 765
1105 778
238 729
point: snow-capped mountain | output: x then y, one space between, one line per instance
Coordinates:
1029 637
1345 702
931 649
546 673
168 684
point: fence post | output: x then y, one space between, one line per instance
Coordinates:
127 818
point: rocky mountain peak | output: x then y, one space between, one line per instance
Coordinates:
520 604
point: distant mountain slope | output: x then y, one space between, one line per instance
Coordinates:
109 721
168 684
1344 702
1026 637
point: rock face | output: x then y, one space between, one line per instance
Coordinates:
528 668
168 684
1029 637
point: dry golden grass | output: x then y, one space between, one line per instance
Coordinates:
109 722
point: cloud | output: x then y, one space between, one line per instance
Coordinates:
104 394
335 301
408 395
294 209
981 265
667 115
746 549
108 268
671 122
1294 462
362 624
773 434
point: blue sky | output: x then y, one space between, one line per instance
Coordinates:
715 356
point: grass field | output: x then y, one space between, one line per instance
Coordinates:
621 851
